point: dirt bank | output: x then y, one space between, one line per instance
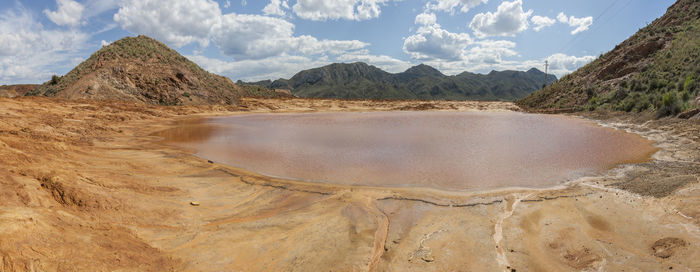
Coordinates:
85 188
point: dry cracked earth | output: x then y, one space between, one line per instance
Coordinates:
84 187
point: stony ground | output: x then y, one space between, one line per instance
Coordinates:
85 188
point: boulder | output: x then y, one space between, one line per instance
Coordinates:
688 114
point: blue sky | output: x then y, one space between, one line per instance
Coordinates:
254 40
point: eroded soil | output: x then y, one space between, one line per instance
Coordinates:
83 187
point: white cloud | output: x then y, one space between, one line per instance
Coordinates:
508 20
426 19
321 10
104 43
242 36
282 66
541 22
68 13
227 4
581 24
452 5
244 3
308 45
561 64
179 22
490 51
433 42
275 7
30 53
252 36
257 37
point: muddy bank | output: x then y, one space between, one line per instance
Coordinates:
84 187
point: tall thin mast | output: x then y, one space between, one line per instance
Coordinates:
546 65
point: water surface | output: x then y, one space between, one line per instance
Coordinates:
446 150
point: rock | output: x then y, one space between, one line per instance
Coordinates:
666 247
688 114
210 161
194 203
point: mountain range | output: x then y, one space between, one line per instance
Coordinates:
362 81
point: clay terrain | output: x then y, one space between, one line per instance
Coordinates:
16 90
85 187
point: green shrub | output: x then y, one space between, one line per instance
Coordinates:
54 80
689 84
669 105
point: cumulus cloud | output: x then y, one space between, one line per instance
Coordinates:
251 36
68 13
308 45
426 19
178 23
581 24
321 10
258 37
433 42
541 22
241 36
561 64
490 51
30 53
508 20
452 5
275 7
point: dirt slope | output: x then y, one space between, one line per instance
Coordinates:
141 69
655 70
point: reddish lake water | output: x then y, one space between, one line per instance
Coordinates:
445 150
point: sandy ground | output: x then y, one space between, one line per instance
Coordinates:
83 187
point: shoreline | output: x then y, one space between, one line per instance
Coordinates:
136 194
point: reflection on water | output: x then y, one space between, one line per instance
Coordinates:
187 133
448 150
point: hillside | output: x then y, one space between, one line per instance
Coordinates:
360 80
16 90
655 70
142 69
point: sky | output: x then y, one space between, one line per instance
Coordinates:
268 39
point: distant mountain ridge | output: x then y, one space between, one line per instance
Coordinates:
656 70
362 81
142 69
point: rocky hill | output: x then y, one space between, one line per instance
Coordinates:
142 69
655 70
16 90
360 80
